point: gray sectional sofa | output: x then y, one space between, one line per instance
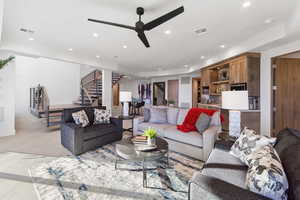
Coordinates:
194 144
223 176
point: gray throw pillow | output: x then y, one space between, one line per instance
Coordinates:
146 114
158 115
172 115
202 122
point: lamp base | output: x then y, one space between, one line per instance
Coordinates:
126 109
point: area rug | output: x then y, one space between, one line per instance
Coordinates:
92 176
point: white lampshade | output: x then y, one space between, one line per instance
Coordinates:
125 97
235 100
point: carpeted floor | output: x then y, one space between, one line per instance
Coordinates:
34 145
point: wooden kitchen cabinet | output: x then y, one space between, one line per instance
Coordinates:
205 77
238 72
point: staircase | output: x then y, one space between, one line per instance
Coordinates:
90 89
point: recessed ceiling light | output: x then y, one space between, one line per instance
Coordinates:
168 32
30 39
201 31
247 4
125 46
70 49
202 57
186 66
268 21
222 46
116 57
95 35
98 56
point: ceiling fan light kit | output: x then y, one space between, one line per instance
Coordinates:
140 27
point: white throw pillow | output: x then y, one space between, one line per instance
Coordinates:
266 175
81 118
102 116
249 142
181 115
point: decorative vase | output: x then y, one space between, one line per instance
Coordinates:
151 141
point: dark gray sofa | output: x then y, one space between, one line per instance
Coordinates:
223 176
79 140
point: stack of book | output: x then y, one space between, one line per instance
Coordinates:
140 140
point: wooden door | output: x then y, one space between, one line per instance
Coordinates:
196 91
173 88
116 94
287 95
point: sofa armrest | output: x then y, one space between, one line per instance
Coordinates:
136 122
117 122
203 187
71 137
209 139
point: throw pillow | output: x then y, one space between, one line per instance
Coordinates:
172 114
158 115
146 114
249 142
215 119
181 116
81 118
265 175
102 116
202 122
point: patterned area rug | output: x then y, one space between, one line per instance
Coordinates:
92 176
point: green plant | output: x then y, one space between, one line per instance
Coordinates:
150 132
171 102
5 61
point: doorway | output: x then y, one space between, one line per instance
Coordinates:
159 93
173 88
286 73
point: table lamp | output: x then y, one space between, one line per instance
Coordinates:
125 97
235 101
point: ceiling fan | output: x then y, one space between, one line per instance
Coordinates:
140 27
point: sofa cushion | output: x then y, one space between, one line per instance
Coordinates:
101 116
202 122
249 142
172 115
181 115
146 114
193 138
288 148
81 118
223 166
160 128
98 130
265 175
158 115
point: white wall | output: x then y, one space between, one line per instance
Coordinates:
61 80
7 96
266 80
131 85
107 89
85 70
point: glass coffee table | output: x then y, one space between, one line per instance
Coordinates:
127 153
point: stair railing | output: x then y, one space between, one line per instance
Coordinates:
84 91
90 80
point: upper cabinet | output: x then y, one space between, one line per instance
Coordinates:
238 71
223 76
205 77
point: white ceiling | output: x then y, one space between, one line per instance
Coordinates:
62 24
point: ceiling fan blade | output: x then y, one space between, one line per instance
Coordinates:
143 37
163 18
112 24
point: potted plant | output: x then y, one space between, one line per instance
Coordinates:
4 62
151 134
171 103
